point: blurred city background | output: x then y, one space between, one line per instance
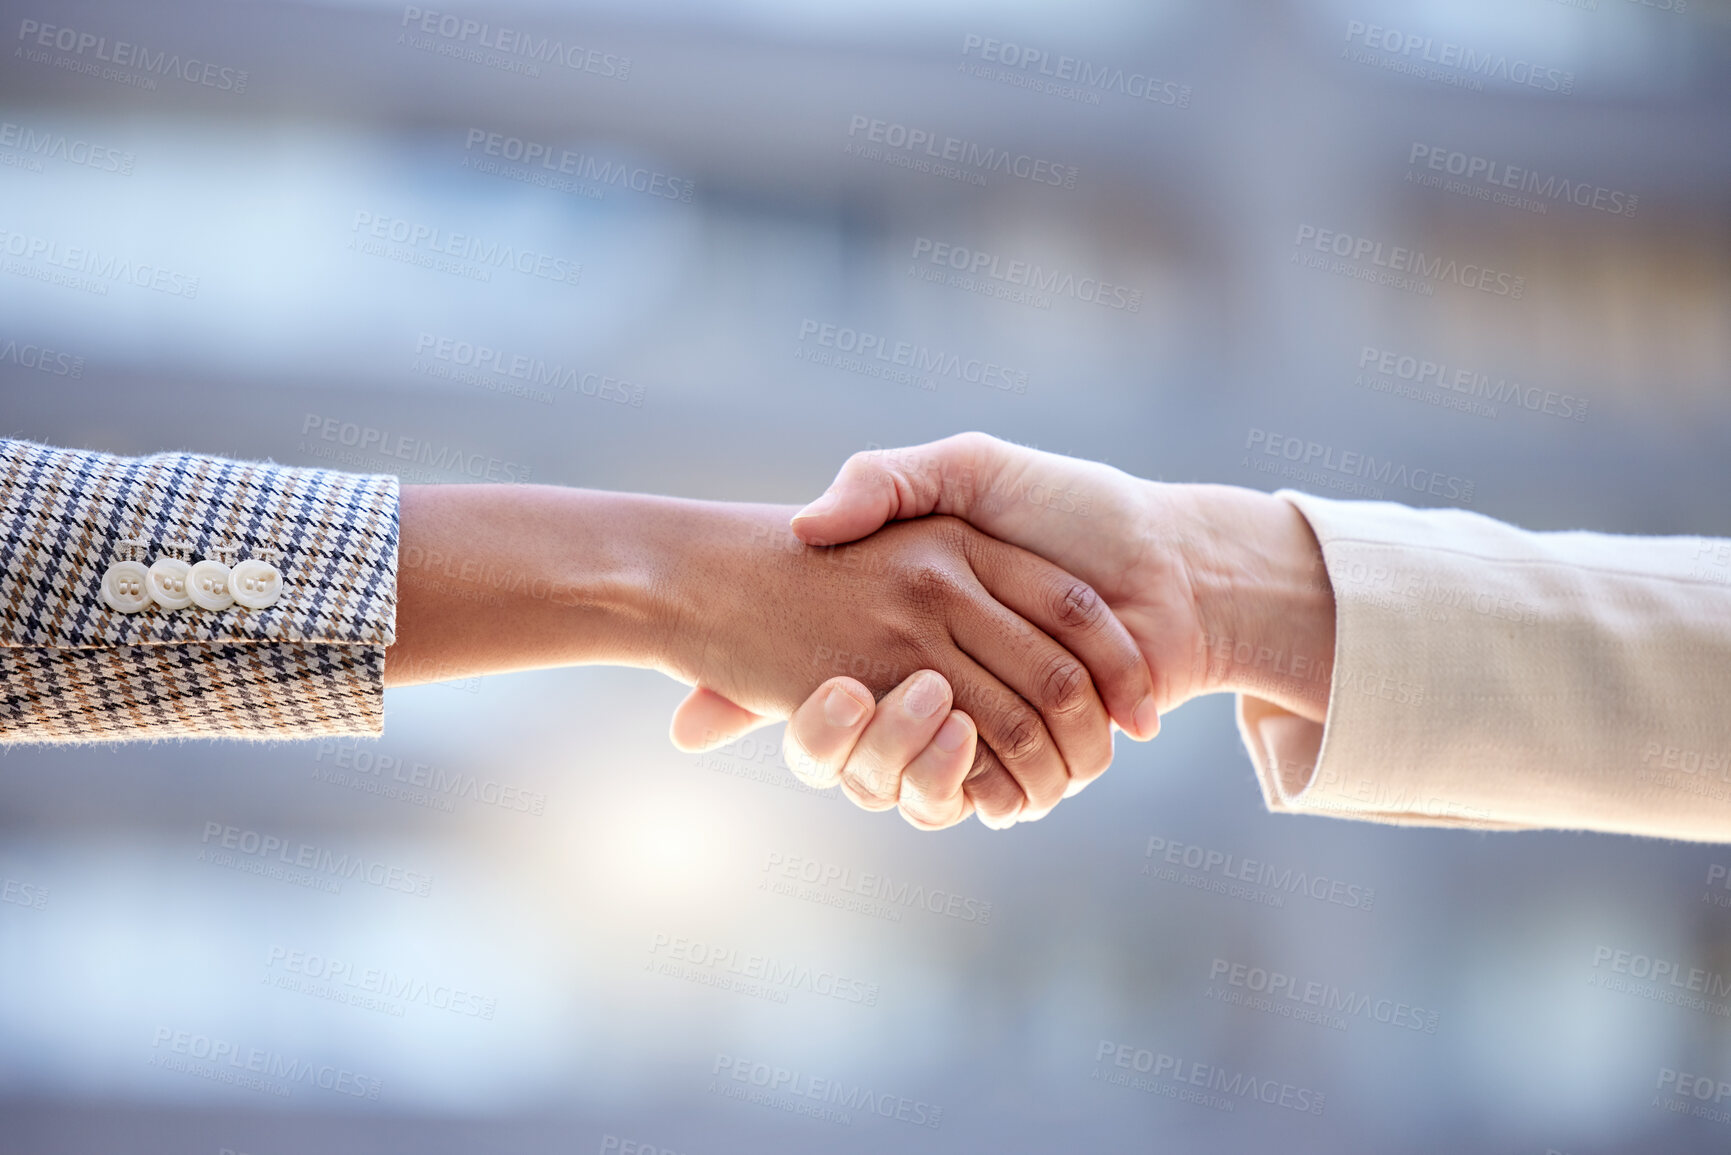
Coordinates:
655 246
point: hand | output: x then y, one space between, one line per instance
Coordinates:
1221 587
916 753
1013 637
494 578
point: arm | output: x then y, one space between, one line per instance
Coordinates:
1409 666
497 578
288 625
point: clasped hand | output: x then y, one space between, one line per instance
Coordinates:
1003 672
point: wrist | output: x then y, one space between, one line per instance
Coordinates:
494 578
1265 606
694 571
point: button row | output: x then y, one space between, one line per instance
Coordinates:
173 584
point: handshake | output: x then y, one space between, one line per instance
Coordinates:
975 617
1021 605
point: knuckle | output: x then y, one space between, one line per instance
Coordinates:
1020 736
1064 686
862 796
921 818
1077 606
970 444
930 584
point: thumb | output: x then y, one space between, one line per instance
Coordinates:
706 720
879 486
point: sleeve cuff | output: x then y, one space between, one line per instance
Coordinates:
70 515
75 667
1305 767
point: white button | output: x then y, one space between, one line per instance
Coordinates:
207 585
255 584
166 581
123 587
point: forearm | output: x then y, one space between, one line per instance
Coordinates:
494 578
1264 602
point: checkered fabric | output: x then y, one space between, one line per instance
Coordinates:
74 670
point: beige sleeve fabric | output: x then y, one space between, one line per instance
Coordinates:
1495 678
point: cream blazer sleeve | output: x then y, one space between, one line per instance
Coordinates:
1491 677
180 596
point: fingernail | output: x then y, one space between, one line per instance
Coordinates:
817 508
841 709
952 734
1146 719
926 695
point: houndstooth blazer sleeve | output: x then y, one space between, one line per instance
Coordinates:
75 669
